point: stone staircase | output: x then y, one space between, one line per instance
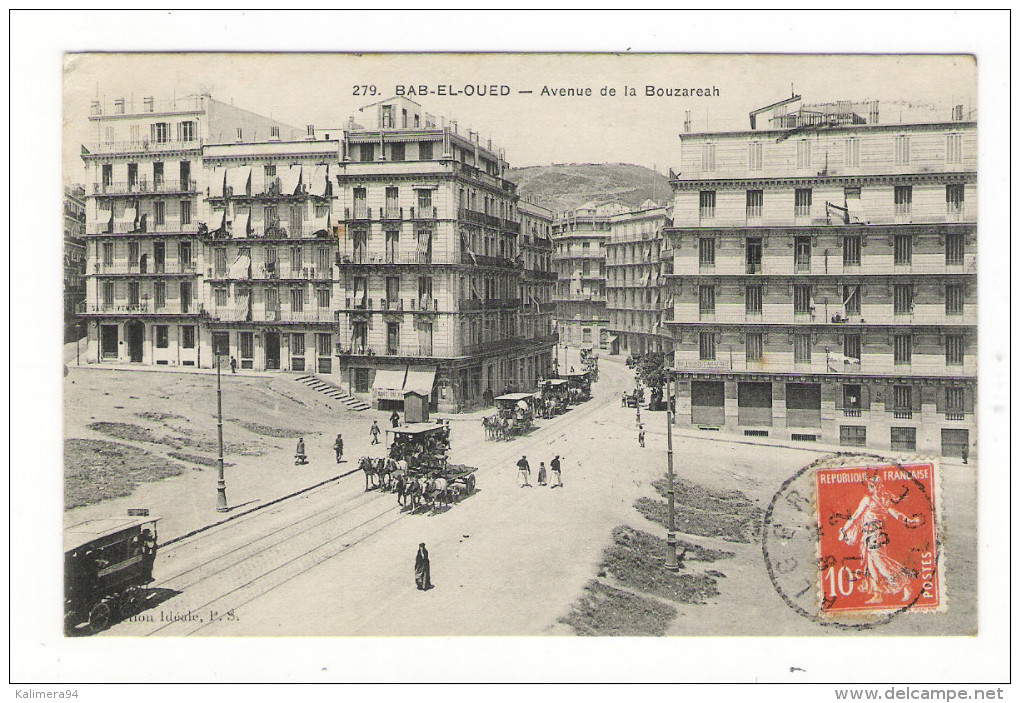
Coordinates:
328 389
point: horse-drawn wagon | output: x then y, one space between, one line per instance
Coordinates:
515 414
578 386
416 467
553 397
107 561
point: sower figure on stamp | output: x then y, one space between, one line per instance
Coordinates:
883 575
422 569
338 447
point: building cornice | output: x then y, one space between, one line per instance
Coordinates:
783 182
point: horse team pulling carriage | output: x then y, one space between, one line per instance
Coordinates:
107 561
417 469
515 415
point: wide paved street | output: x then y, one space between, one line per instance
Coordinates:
507 560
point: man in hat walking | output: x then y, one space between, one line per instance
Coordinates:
525 471
555 466
338 447
375 431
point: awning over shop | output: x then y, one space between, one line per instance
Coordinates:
290 179
855 211
420 380
389 383
240 227
237 180
216 183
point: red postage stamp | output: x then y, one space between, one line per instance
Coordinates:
878 547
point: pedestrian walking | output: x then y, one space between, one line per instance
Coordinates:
525 471
555 466
966 453
422 569
541 474
375 431
299 454
641 435
233 365
338 447
395 419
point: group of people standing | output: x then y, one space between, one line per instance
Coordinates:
524 469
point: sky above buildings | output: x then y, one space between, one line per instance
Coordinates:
535 128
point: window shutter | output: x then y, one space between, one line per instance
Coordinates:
969 399
865 396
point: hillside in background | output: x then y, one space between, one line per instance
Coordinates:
566 186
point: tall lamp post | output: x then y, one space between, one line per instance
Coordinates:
221 483
671 561
77 344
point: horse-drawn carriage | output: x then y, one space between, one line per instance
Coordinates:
107 561
578 386
553 397
515 414
590 360
416 467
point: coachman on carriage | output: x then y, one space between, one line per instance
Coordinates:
553 397
515 414
578 386
416 467
107 561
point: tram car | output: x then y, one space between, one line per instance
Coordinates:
107 562
425 447
553 394
429 478
578 385
517 411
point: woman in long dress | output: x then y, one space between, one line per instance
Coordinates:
422 570
883 575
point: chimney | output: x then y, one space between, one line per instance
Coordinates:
687 121
118 106
147 104
311 131
240 135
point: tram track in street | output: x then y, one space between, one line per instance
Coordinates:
253 568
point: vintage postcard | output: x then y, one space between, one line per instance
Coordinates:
390 359
380 347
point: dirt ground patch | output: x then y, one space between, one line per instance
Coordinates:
701 511
160 417
198 459
267 431
95 470
634 560
603 610
186 439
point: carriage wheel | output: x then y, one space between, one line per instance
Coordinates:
99 617
469 483
130 602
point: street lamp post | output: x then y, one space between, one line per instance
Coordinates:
221 483
77 344
671 561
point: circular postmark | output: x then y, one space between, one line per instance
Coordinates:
850 540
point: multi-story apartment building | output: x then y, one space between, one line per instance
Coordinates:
74 258
824 283
429 259
637 260
150 220
538 282
579 257
270 278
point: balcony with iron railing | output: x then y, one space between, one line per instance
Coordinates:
170 268
410 258
144 187
142 146
414 305
407 351
471 259
143 307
